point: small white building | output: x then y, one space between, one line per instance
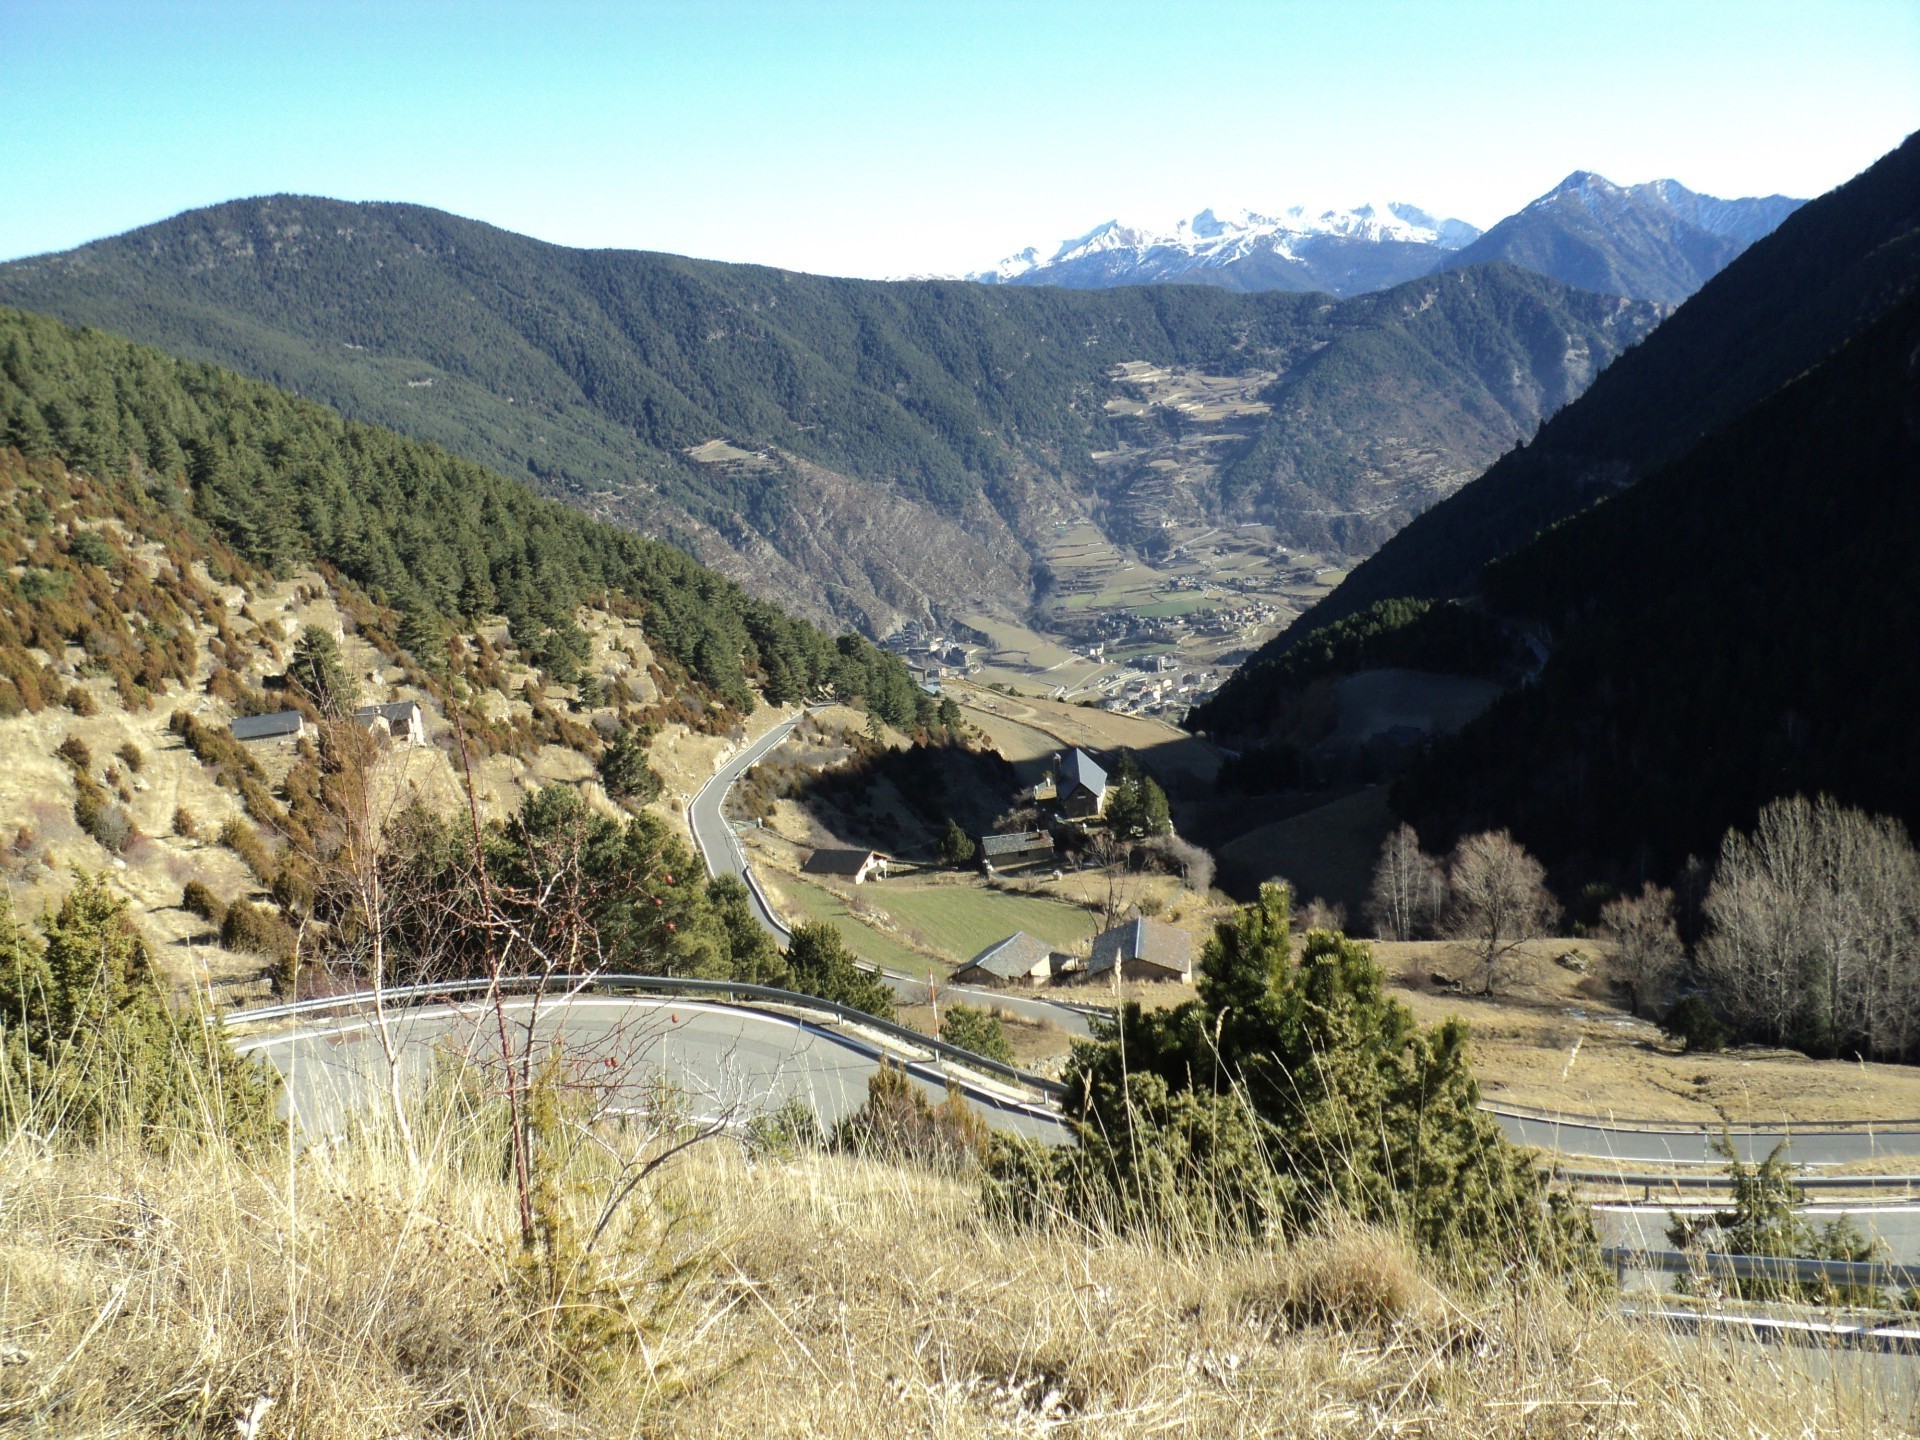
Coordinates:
400 720
858 866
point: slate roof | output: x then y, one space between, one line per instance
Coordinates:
837 862
1077 770
1017 842
272 726
1142 939
1013 958
396 712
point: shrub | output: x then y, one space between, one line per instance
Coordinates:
1765 1218
625 771
1692 1022
93 1048
956 846
783 1133
1242 1112
821 964
131 756
74 751
898 1122
977 1030
90 547
198 899
184 825
79 700
106 822
241 838
255 928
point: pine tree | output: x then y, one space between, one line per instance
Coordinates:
956 846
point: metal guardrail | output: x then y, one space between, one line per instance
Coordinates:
1682 1127
1862 1274
1633 1181
662 984
1783 1330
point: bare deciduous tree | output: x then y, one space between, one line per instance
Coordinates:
1498 901
1194 864
1814 922
1646 943
1409 889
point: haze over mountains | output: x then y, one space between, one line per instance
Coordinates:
1657 241
862 450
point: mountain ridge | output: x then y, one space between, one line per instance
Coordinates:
864 450
1834 267
1656 240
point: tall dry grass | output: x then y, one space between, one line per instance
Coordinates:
816 1295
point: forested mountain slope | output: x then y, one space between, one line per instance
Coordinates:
435 541
1741 625
1830 270
886 446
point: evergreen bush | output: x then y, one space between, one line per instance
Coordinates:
1292 1090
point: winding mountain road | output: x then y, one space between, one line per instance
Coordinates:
720 848
724 1061
1634 1146
1584 1136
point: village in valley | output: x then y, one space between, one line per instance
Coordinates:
1126 633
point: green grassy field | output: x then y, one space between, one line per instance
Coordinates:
869 944
962 920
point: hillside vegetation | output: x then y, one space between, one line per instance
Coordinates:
435 540
1789 301
1735 625
1738 626
884 445
180 547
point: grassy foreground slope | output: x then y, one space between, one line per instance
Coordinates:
820 1296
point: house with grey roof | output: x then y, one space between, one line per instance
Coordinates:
400 720
1017 960
287 725
1141 949
859 866
1016 847
1080 785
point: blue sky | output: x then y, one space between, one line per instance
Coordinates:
882 139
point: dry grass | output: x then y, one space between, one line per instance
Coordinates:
830 1298
1524 1050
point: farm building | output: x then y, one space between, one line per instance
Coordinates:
1142 949
279 725
401 720
1017 960
858 866
1017 847
1080 785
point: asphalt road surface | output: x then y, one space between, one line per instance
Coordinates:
1895 1225
1635 1147
721 850
721 1061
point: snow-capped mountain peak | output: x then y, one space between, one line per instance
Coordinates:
1297 238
